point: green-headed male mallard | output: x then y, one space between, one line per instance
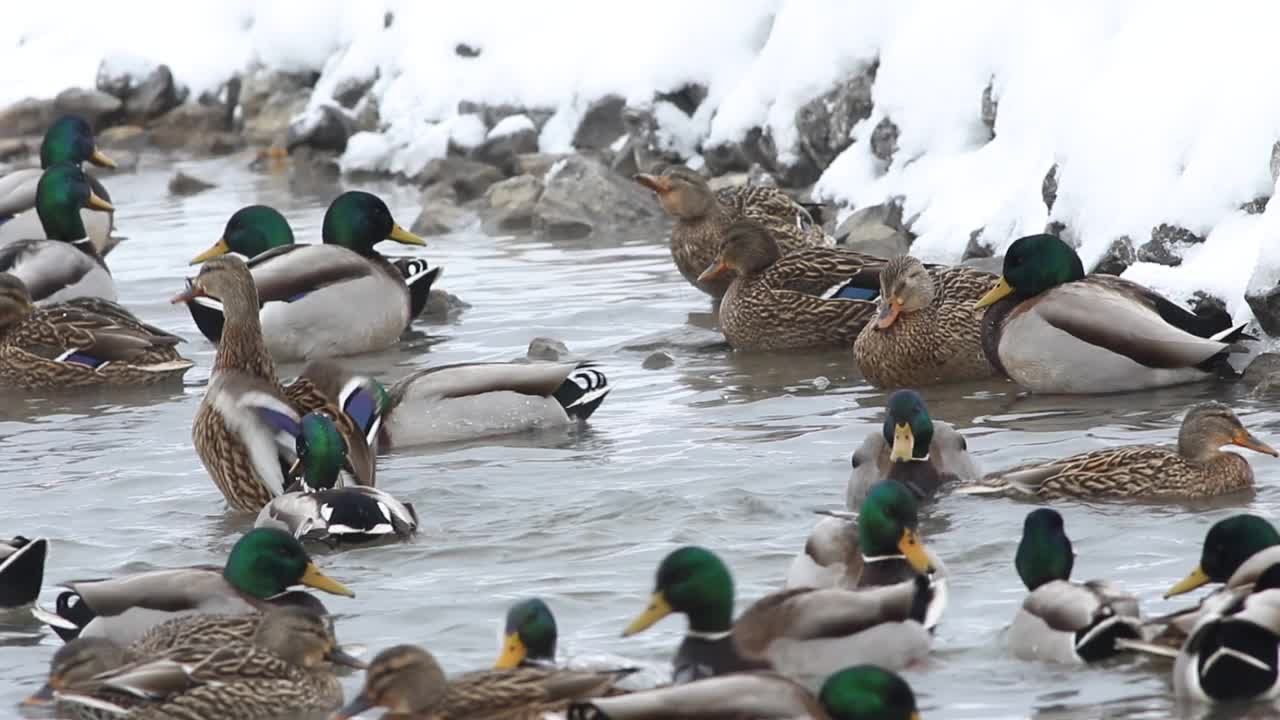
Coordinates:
340 297
1060 620
910 447
803 633
703 216
409 683
792 302
1197 467
68 139
1052 329
927 330
79 343
62 264
529 636
319 510
246 427
262 565
863 692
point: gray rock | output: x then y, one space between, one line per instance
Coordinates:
826 122
643 151
27 117
193 124
1049 187
351 90
1060 229
976 248
1264 300
884 140
1275 161
687 97
1159 252
1263 374
130 137
1210 306
601 124
94 106
1256 206
536 164
13 149
1174 235
184 184
440 214
757 175
658 361
1118 257
545 348
442 305
990 106
583 196
467 51
154 96
323 127
494 114
511 204
468 178
268 103
876 230
502 151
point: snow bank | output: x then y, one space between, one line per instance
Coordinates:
1153 112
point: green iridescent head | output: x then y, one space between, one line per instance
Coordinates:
322 452
70 139
1035 264
358 221
1044 553
63 190
529 635
693 581
908 429
268 561
889 524
867 692
1227 545
251 231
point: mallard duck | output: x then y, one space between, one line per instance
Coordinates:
1052 329
21 570
912 448
409 683
79 343
472 400
286 668
337 298
793 302
529 637
321 511
1060 620
68 139
863 692
926 330
245 429
1231 654
831 557
803 633
262 565
63 264
1236 550
703 216
1196 468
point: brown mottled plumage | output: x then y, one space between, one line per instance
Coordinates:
927 330
409 683
779 302
57 346
1196 468
703 216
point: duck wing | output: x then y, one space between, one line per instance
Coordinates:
761 695
288 273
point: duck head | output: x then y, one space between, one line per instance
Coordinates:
251 231
358 220
748 249
529 635
1032 265
268 561
70 139
889 524
695 582
683 193
63 190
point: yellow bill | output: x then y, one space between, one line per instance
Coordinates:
401 235
911 548
658 609
1002 289
100 159
513 652
97 203
312 577
1188 583
904 441
219 248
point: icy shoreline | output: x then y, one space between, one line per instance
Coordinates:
1143 132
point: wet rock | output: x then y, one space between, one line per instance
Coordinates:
976 248
601 124
193 125
323 127
1049 187
12 149
155 95
94 106
1263 374
440 213
1263 296
442 305
826 122
468 178
658 361
1174 235
875 230
990 106
466 51
512 203
27 117
1256 206
1118 257
184 184
131 137
513 136
686 98
1155 251
582 195
884 140
351 90
545 348
724 158
1212 307
536 164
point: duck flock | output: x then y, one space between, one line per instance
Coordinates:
243 639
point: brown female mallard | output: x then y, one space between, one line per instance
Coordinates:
247 424
703 216
797 301
80 343
927 330
409 683
1195 468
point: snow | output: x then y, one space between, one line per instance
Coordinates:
1153 112
510 125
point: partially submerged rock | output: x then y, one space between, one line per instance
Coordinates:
876 230
468 178
184 184
323 127
582 195
94 106
545 348
440 214
512 203
27 117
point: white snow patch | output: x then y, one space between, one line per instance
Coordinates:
510 125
